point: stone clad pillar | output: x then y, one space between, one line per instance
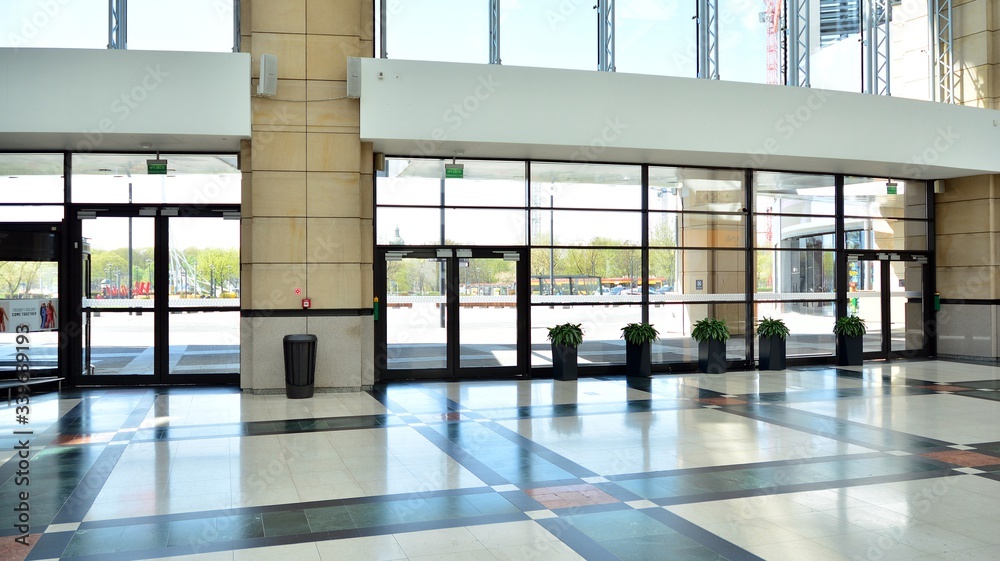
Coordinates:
307 187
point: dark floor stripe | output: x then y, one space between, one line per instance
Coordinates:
688 529
576 540
465 459
50 546
538 450
849 432
83 497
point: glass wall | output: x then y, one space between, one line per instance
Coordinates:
656 37
660 37
794 257
456 26
30 24
548 33
584 263
180 25
607 248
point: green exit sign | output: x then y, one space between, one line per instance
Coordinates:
890 189
156 167
454 171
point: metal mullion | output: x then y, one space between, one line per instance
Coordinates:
161 299
494 32
644 244
749 276
840 254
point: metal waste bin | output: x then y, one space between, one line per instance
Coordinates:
300 365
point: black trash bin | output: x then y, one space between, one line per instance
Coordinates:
300 365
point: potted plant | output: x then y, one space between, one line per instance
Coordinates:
850 331
711 335
638 343
772 334
565 338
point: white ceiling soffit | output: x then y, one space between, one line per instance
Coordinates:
433 109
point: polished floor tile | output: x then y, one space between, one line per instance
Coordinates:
895 460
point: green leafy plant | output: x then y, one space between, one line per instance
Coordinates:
566 334
710 328
769 327
639 333
850 326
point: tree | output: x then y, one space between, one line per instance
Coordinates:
18 277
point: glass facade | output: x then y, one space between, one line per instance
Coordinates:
610 244
745 41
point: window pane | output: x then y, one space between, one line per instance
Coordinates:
656 37
586 186
586 274
810 324
466 226
795 275
588 228
410 182
879 197
80 24
548 33
180 25
205 262
743 42
674 322
697 274
836 55
694 229
14 213
123 178
204 343
486 183
795 232
443 30
29 300
602 330
794 193
878 233
409 226
705 190
31 178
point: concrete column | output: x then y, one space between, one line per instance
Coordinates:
307 207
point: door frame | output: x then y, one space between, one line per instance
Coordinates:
453 369
76 214
885 259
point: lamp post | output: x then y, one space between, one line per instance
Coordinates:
211 281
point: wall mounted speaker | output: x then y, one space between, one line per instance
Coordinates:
939 186
379 161
268 84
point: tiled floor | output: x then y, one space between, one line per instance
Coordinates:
893 460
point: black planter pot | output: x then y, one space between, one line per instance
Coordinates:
637 360
563 362
850 350
772 353
712 356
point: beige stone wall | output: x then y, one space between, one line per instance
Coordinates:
976 25
968 266
307 184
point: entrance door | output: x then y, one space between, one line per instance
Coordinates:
160 296
887 291
451 313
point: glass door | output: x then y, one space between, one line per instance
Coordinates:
117 303
451 313
887 291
